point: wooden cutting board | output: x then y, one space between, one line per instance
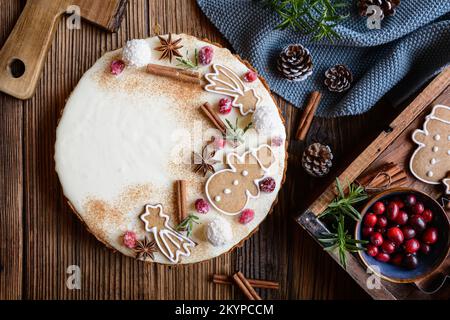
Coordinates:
22 56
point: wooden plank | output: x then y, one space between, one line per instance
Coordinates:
11 210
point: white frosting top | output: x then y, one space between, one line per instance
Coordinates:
219 232
137 53
122 142
266 122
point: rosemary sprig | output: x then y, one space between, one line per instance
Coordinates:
344 203
188 224
340 208
342 241
315 17
234 133
188 63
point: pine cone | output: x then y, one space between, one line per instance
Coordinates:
295 62
338 78
316 160
387 6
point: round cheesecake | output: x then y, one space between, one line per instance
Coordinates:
171 150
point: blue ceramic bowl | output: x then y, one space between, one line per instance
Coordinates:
427 263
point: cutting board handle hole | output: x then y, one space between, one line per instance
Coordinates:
16 67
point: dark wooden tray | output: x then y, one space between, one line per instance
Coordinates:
392 145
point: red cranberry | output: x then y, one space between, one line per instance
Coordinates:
382 221
412 246
396 235
367 231
410 261
417 223
378 207
408 232
201 206
397 259
392 210
427 215
402 218
276 141
250 76
129 239
388 247
370 220
418 208
411 200
117 66
383 257
425 248
246 216
376 239
267 185
219 143
430 236
372 250
206 55
225 106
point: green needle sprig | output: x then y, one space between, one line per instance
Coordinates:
188 224
234 133
188 63
339 209
344 203
312 17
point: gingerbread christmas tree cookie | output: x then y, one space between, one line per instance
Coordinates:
133 128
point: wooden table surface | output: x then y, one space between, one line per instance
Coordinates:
40 237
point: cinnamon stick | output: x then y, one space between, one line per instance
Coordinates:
181 200
263 284
308 115
213 117
245 286
174 73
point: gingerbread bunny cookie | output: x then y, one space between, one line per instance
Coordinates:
430 162
229 190
226 82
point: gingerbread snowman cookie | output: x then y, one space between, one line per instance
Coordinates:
430 162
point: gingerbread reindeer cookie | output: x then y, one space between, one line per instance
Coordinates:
171 243
226 82
430 162
229 190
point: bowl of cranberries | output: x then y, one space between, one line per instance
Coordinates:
407 233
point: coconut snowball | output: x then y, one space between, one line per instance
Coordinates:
219 232
266 122
137 53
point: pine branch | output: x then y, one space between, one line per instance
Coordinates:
312 17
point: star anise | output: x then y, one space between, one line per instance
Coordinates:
169 48
145 249
205 162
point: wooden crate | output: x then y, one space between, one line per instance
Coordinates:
392 145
